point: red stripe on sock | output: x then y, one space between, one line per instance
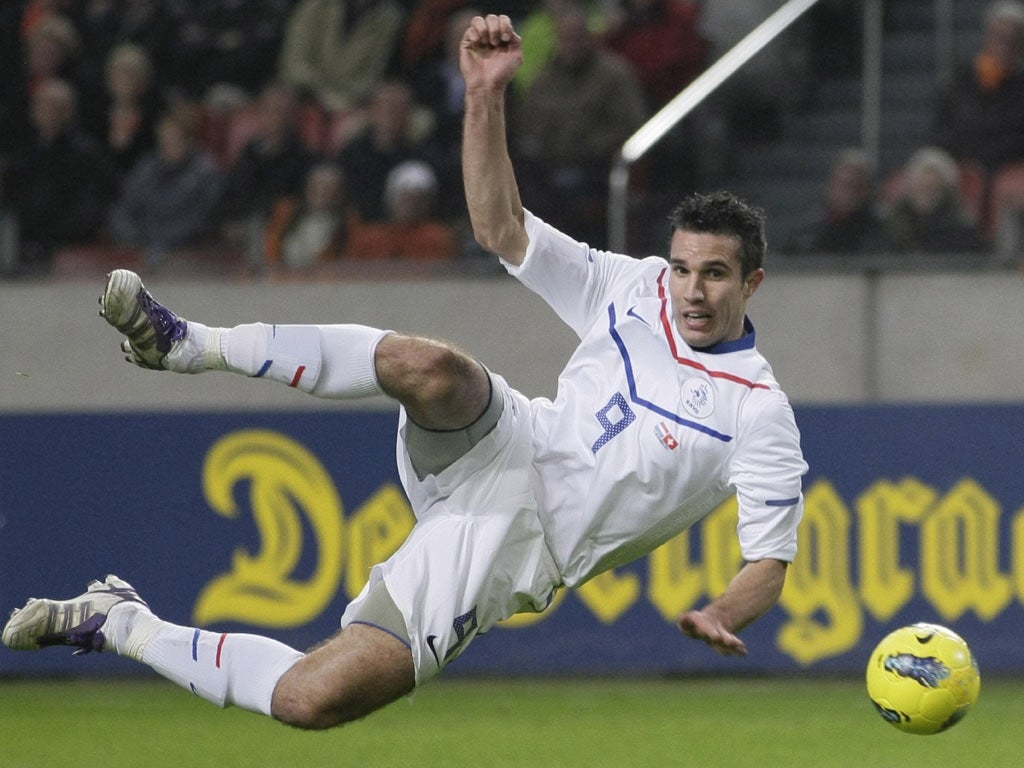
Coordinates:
220 646
298 375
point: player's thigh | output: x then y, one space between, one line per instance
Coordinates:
359 670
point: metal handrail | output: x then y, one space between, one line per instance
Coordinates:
871 82
685 102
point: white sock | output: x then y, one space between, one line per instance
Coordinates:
199 351
330 361
227 669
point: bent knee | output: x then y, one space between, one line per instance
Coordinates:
355 673
440 386
301 710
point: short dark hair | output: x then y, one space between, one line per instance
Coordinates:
723 213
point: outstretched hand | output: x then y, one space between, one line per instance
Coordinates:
491 52
701 626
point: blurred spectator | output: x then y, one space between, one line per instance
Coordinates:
412 230
61 183
851 222
35 11
439 87
151 24
982 117
127 124
539 33
169 197
391 136
308 233
14 130
337 51
272 167
663 42
425 31
572 120
274 162
928 214
233 44
437 82
51 48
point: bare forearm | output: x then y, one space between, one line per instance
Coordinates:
753 591
492 194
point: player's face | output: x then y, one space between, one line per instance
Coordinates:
709 292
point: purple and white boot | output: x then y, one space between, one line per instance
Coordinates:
77 622
156 337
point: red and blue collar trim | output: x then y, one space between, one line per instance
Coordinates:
745 342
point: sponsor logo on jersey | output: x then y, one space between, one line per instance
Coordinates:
698 397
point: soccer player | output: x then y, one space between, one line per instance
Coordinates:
664 411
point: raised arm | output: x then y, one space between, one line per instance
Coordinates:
491 54
753 591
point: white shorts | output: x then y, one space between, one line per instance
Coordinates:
477 553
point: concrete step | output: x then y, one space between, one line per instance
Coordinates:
836 126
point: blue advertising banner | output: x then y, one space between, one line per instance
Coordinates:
269 523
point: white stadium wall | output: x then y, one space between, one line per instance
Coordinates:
832 338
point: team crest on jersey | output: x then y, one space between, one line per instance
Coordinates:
665 437
698 397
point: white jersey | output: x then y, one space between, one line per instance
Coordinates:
646 435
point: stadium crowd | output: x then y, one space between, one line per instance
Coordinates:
288 137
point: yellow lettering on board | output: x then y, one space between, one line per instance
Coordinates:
1018 553
609 594
675 584
287 487
375 532
826 618
885 586
722 556
960 554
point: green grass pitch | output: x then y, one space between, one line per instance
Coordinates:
704 722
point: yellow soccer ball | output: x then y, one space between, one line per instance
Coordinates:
923 678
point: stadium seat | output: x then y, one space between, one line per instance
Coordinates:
227 133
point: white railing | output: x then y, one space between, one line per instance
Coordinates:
685 102
720 71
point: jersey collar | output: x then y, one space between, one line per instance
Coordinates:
746 341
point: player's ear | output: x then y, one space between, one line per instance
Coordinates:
752 282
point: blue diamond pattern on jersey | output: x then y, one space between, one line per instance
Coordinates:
611 429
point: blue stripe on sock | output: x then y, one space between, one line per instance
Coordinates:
264 369
195 646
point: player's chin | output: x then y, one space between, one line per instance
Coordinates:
699 339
